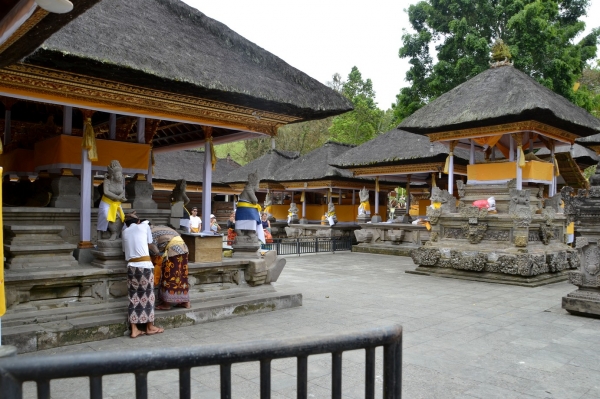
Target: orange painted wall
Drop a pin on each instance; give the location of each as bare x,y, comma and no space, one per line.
344,213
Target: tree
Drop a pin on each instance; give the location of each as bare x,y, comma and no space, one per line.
539,33
589,85
366,120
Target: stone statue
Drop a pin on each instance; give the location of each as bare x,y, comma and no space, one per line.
269,207
110,213
331,218
443,199
293,213
248,226
365,207
180,217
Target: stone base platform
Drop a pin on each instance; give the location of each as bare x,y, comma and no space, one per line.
384,249
583,302
84,323
497,278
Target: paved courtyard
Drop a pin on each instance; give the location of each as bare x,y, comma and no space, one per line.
462,339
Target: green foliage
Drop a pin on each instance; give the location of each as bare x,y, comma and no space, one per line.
589,89
539,34
589,172
366,120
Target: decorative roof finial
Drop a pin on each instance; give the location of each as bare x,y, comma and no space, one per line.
500,54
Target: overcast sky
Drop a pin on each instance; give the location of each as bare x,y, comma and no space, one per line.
323,37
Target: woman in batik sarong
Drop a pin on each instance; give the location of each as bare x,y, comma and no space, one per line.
173,287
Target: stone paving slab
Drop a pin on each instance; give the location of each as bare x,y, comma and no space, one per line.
462,339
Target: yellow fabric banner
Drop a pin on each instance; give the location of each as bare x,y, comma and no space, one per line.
2,296
89,140
366,206
115,207
241,204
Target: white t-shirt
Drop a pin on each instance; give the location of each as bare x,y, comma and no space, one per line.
195,222
136,238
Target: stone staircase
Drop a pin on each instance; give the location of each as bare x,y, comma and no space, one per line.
53,323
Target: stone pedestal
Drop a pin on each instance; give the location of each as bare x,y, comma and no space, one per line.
37,247
204,248
376,219
303,221
363,218
584,210
293,219
65,192
246,246
109,255
140,195
176,214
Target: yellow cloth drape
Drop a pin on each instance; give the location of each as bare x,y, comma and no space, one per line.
330,214
571,228
303,197
213,156
89,140
556,171
1,148
377,184
366,206
436,205
114,207
2,297
428,226
242,204
521,156
268,209
450,155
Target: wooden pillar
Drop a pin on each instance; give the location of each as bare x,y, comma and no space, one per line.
7,135
304,205
141,130
85,206
112,126
340,197
353,197
511,154
407,194
377,195
67,120
552,189
206,182
451,175
472,153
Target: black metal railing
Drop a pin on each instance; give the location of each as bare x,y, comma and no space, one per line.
42,369
308,245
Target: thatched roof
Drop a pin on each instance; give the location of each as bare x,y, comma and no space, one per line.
189,165
583,156
497,96
398,147
267,166
170,46
316,164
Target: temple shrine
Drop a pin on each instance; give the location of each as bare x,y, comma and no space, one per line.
119,84
508,226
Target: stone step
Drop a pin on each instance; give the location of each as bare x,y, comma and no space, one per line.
86,328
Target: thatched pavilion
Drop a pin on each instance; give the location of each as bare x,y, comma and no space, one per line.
135,77
313,173
404,157
524,243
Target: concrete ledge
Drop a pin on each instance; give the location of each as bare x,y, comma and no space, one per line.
33,337
497,278
384,249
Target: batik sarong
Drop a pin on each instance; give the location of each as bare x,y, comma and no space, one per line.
140,286
174,287
231,234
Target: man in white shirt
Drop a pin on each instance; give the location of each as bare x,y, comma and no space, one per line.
195,221
140,277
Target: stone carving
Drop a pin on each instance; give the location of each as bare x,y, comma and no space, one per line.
139,192
114,195
496,235
364,209
293,213
511,183
518,199
533,236
591,257
553,203
179,199
424,256
547,228
558,262
433,237
472,212
446,201
363,236
433,214
454,233
331,218
246,243
474,232
461,188
521,241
